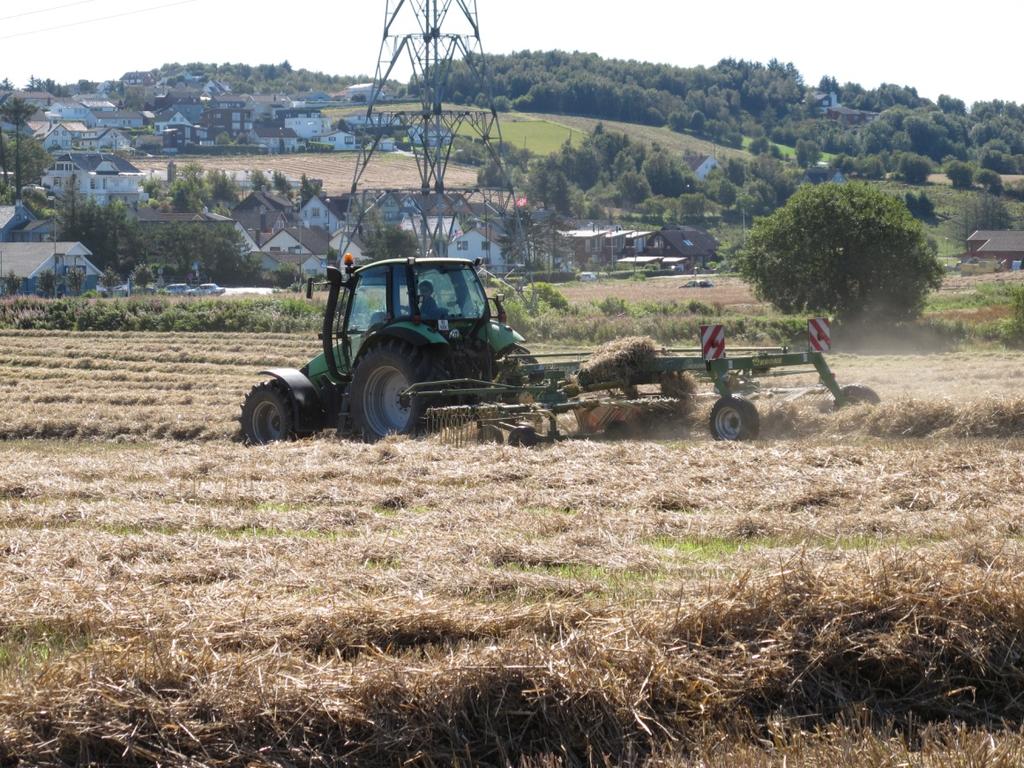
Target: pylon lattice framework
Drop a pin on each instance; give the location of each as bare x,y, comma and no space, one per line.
416,30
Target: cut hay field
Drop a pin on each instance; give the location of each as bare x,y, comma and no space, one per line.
847,591
393,170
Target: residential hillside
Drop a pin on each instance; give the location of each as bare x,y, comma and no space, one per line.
603,148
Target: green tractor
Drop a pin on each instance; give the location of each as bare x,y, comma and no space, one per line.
387,326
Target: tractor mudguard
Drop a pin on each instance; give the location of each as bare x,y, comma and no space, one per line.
309,412
413,334
417,334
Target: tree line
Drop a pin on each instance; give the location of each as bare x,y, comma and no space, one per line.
736,99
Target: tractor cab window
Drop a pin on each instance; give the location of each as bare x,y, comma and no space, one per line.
369,301
400,292
450,292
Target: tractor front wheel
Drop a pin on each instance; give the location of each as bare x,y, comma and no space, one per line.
380,377
734,418
267,415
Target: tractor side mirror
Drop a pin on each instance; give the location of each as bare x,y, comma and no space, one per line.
309,288
499,305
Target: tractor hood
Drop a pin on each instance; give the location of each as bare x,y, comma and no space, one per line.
500,336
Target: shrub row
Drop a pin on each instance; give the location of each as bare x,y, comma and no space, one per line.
548,319
161,314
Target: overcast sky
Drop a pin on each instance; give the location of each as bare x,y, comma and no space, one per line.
933,47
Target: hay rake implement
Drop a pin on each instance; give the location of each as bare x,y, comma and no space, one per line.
628,389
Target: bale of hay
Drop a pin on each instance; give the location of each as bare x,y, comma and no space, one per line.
618,363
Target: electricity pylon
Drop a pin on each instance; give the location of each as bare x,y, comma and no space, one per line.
434,36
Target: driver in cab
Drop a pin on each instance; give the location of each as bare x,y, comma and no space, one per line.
429,310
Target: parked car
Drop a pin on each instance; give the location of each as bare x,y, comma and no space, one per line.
117,290
588,277
206,289
176,289
699,284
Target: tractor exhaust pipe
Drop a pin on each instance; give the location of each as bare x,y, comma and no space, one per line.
333,290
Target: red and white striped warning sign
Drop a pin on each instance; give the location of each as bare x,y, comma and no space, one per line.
819,334
712,341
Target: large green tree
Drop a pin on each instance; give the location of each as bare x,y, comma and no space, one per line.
847,249
960,173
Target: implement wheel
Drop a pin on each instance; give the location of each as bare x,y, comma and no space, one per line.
267,415
734,418
378,380
855,394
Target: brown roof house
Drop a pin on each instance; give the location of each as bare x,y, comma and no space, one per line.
693,247
1004,246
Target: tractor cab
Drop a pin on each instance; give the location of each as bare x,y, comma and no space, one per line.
438,301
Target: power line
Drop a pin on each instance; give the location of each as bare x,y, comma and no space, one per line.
94,21
45,10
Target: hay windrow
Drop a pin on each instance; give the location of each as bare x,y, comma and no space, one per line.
891,638
617,363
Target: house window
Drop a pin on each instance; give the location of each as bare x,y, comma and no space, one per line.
92,183
315,213
462,245
485,246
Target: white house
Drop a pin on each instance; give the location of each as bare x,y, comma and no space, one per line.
323,212
96,176
276,140
29,260
69,111
340,141
102,139
298,241
112,139
701,165
54,137
306,248
97,106
170,118
120,119
309,266
360,92
308,127
480,243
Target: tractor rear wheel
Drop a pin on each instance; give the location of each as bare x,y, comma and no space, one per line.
379,379
267,415
735,418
